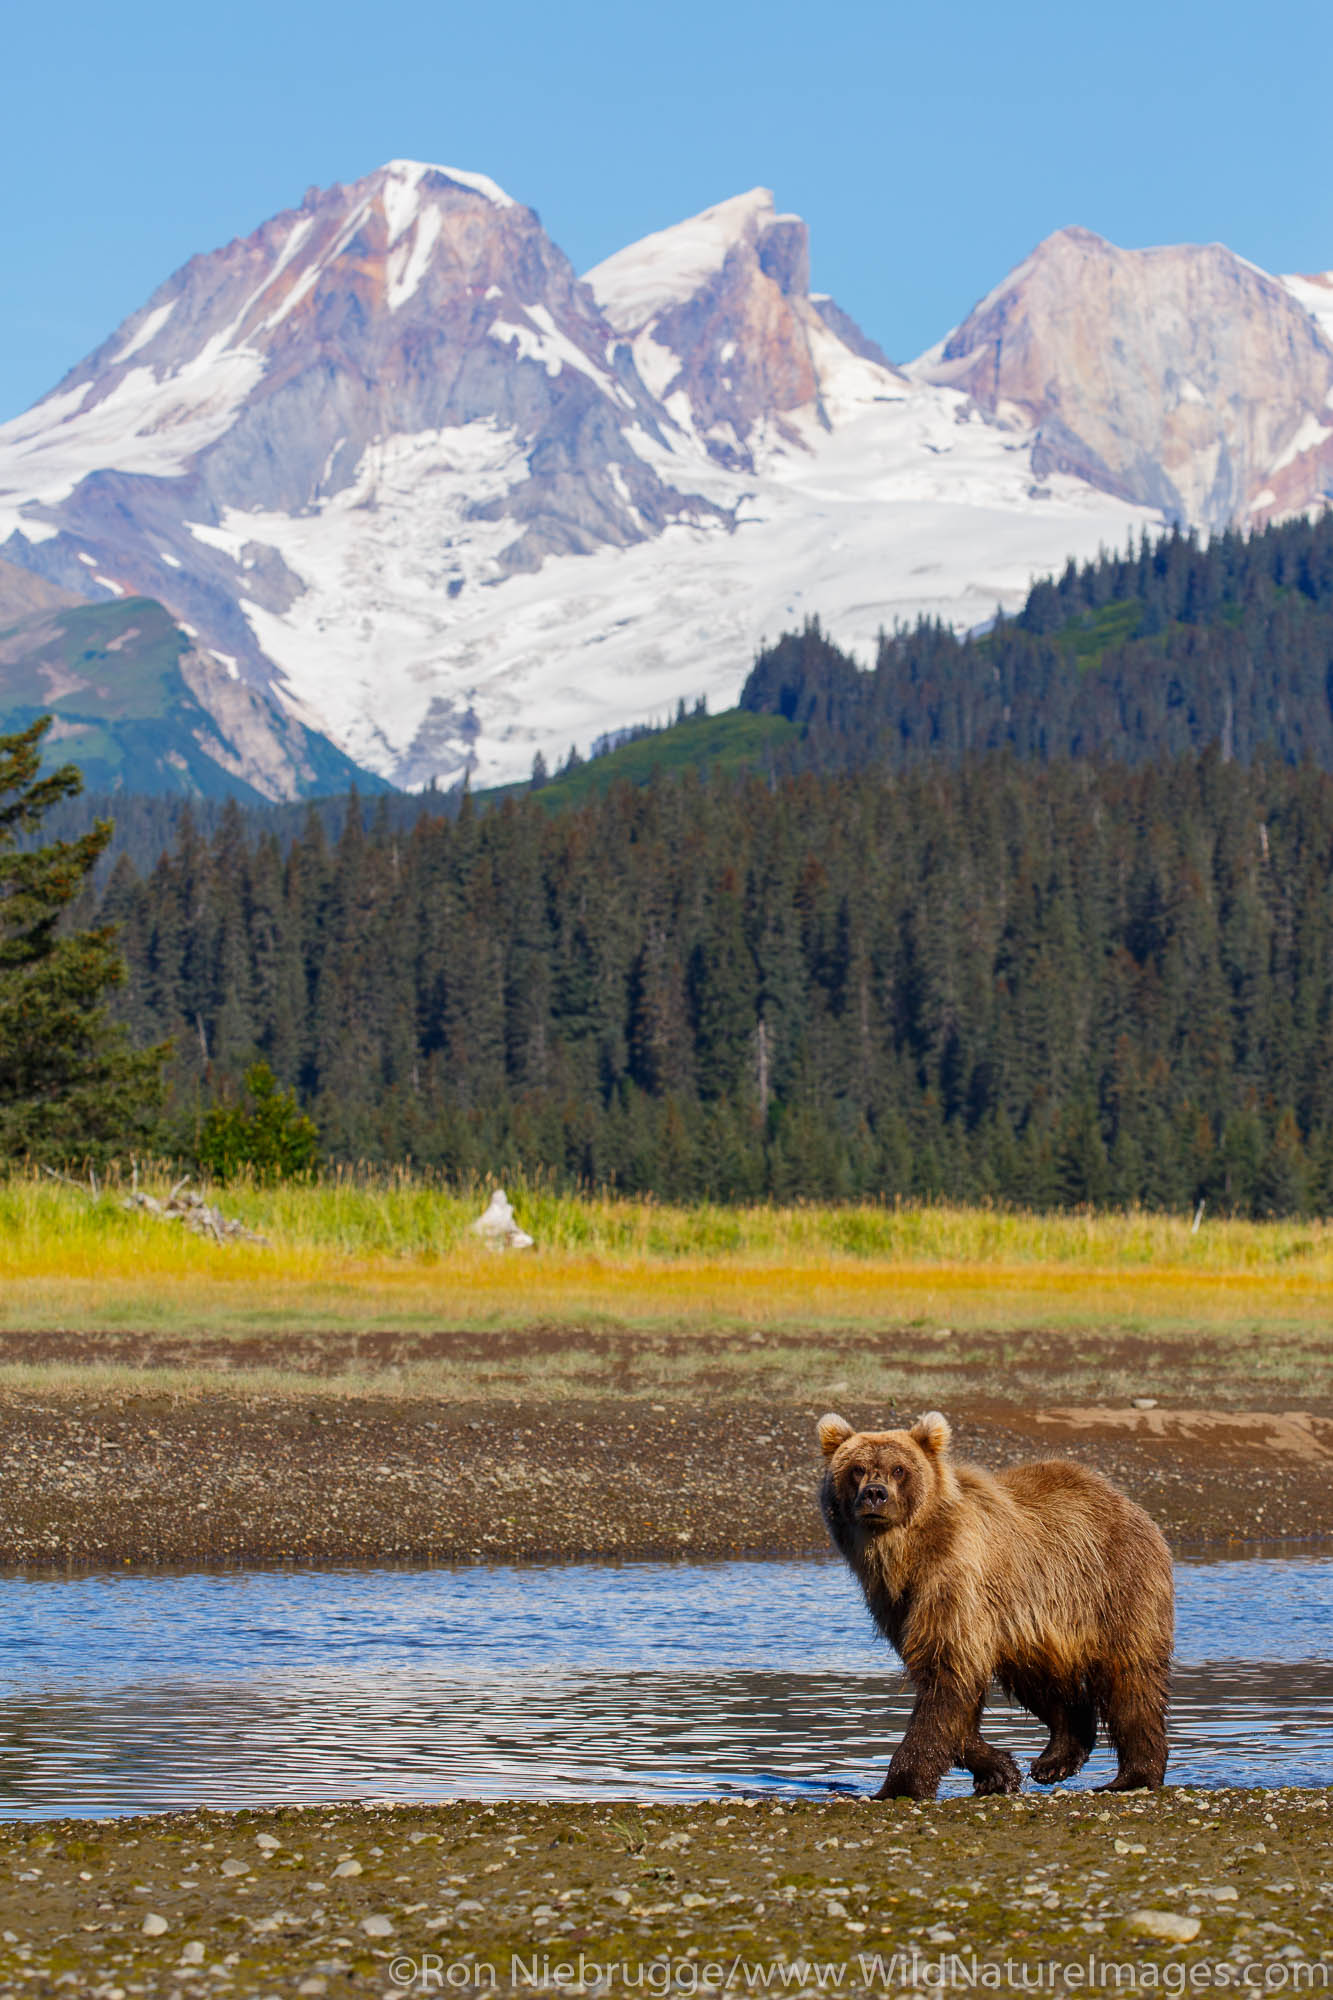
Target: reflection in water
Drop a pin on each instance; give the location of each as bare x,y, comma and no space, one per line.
127,1693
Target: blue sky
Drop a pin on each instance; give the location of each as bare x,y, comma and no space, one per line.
929,147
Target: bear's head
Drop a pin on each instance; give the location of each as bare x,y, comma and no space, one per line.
880,1480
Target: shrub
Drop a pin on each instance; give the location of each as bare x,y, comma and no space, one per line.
268,1136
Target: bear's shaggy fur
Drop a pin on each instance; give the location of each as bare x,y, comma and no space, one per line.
1043,1578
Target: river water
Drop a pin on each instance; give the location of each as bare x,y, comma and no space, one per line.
125,1693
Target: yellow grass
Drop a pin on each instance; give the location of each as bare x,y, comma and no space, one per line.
395,1254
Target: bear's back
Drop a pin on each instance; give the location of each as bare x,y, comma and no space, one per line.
1075,1524
1041,1483
1059,1504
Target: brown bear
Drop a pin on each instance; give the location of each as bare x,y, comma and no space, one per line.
1043,1578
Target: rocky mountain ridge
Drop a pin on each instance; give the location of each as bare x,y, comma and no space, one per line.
1183,378
425,492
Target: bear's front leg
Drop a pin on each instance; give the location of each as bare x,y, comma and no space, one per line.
939,1732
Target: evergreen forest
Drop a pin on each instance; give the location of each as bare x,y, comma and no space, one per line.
1136,657
1061,984
1042,916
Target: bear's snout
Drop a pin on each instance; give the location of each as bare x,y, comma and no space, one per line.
873,1498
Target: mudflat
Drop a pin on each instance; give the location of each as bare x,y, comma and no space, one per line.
558,1445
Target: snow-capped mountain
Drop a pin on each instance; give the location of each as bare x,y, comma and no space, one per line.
725,332
411,479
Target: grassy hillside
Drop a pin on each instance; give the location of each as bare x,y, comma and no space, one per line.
731,743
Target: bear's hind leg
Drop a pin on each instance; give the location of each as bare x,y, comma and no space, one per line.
1133,1702
994,1771
1070,1716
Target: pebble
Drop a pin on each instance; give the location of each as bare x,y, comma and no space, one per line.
192,1953
349,1868
382,1927
235,1868
153,1925
1163,1924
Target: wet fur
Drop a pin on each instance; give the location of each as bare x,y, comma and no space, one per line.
1043,1578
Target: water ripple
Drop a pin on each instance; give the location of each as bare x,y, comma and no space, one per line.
125,1693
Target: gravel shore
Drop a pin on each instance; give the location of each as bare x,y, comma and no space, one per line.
727,1896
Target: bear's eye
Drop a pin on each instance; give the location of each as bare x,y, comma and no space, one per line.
900,1472
857,1471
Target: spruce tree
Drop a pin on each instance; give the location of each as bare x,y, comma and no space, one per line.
71,1087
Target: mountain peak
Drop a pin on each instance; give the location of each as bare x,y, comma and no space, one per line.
1077,235
670,266
411,173
1181,377
724,330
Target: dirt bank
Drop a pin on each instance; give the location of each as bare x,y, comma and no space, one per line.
345,1900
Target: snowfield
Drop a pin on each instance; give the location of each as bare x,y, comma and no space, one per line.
910,507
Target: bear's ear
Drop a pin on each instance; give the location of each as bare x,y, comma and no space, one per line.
932,1433
833,1431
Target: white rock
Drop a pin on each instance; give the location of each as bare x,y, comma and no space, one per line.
499,1226
1163,1924
153,1925
192,1953
236,1868
349,1868
267,1842
381,1926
